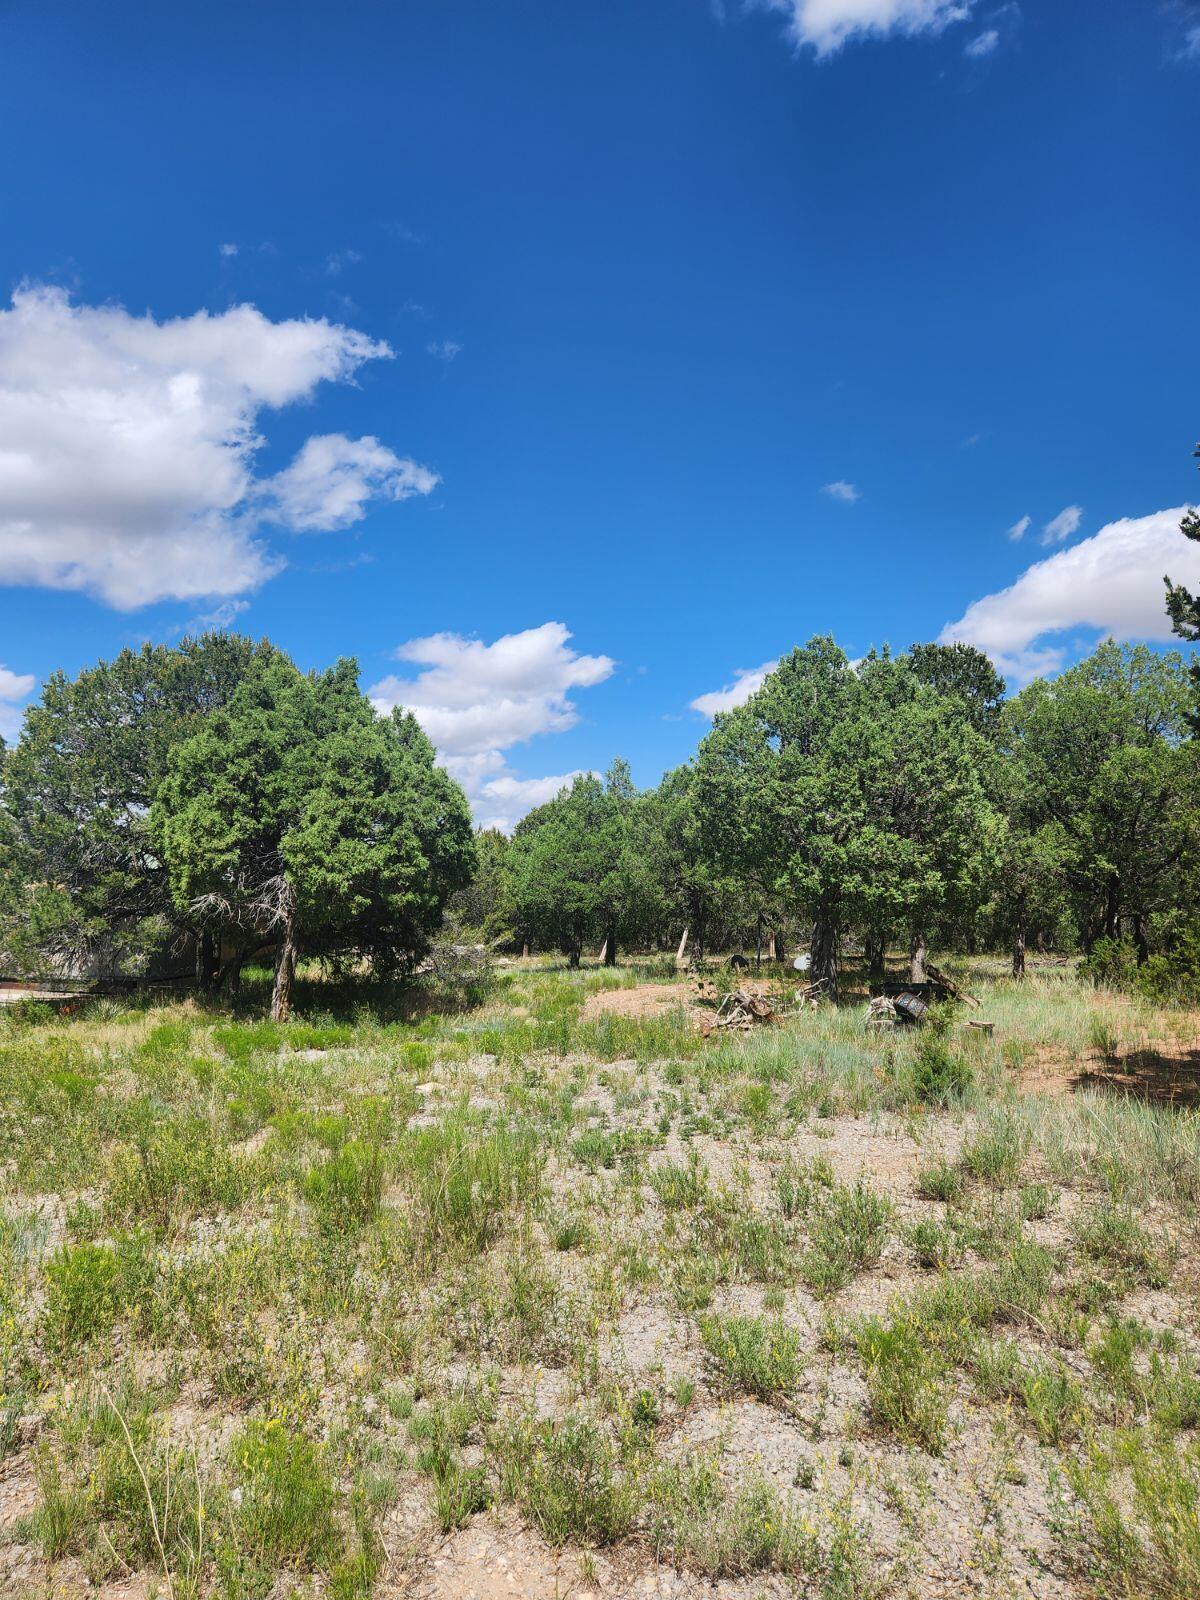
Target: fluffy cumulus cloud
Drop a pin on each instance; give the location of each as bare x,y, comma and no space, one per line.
1111,583
15,687
477,700
745,681
332,478
127,446
826,25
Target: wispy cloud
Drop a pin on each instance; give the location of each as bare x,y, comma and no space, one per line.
841,490
983,44
443,349
338,260
824,26
1062,526
1019,528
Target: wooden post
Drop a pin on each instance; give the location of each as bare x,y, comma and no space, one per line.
682,948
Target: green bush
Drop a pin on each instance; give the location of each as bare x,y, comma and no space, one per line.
1112,964
941,1076
907,1381
756,1356
286,1510
345,1189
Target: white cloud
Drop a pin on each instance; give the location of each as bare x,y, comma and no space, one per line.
477,700
329,483
127,445
14,688
503,801
443,349
339,259
826,25
1111,582
746,680
841,490
982,44
1063,525
228,250
1019,528
218,620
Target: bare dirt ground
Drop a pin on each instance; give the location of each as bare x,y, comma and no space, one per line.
647,1000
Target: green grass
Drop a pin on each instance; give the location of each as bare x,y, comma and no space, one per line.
522,1291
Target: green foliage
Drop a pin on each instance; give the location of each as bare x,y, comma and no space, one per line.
907,1381
567,1478
756,1356
296,808
286,1510
940,1075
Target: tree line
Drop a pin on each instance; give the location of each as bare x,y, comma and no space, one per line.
211,798
898,802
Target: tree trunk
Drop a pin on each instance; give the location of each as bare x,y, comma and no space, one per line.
573,956
1140,941
206,960
610,948
920,952
285,968
824,947
875,952
780,943
1111,909
1018,964
758,944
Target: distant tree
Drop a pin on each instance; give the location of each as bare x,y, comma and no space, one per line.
1102,763
485,905
572,872
295,812
857,797
86,882
1183,608
961,672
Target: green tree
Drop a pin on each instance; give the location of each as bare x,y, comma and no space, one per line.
485,906
295,812
1102,763
86,884
1183,608
855,796
961,672
572,877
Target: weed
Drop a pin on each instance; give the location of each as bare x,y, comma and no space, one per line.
906,1381
756,1356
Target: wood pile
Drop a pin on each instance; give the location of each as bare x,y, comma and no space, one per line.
735,1010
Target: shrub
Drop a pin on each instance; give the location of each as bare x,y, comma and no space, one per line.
847,1235
567,1478
1136,1531
940,1180
727,1533
344,1191
285,1514
759,1357
940,1075
1112,964
906,1381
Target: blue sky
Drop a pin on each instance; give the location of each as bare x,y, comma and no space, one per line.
648,338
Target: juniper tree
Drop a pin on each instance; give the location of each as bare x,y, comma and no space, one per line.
296,813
